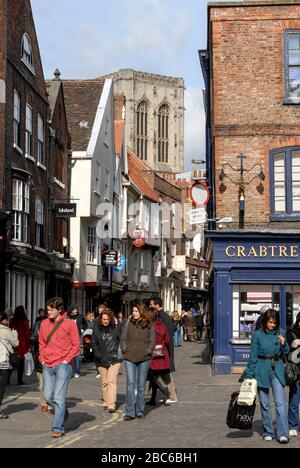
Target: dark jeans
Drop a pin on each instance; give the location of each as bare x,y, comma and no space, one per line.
4,375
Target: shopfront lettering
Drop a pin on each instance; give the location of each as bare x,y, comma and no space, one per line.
282,251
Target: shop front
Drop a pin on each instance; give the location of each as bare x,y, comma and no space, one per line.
248,271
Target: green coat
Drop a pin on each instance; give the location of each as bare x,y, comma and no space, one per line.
265,343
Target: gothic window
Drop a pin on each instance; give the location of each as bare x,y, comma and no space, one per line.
142,131
26,53
163,133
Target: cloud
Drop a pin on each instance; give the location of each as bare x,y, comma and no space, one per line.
194,126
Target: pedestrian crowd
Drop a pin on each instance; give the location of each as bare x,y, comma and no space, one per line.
144,342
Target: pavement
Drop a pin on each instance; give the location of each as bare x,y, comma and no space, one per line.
197,420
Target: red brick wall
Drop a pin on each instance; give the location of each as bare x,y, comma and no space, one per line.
32,91
248,114
2,104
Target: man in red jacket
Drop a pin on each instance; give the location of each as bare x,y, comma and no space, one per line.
58,344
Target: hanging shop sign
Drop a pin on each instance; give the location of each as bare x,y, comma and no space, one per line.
65,210
110,257
121,264
138,237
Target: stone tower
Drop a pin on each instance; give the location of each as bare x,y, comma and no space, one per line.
154,117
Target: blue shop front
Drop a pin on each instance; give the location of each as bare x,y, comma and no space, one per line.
248,271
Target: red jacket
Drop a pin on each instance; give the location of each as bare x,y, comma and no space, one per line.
161,337
64,344
22,328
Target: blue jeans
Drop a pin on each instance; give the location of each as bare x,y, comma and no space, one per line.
294,400
56,381
136,379
76,364
280,409
177,336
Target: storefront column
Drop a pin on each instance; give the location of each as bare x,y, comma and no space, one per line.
221,362
283,306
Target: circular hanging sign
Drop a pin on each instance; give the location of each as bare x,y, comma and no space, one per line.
122,264
199,193
139,237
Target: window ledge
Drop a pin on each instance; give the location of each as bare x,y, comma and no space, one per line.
237,341
40,249
285,218
20,244
291,101
59,183
41,166
28,66
31,158
18,149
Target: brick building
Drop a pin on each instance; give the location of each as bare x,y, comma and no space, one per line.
24,161
252,73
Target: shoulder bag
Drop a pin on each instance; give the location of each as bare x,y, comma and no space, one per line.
291,370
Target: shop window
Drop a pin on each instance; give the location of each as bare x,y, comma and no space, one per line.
285,184
292,304
247,303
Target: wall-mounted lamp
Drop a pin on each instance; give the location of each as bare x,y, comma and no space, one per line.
241,182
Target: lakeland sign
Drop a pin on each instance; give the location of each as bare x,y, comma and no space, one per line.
263,251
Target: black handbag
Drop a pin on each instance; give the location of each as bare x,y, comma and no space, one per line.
239,417
14,360
291,370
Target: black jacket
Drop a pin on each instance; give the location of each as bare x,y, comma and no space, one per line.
34,340
106,341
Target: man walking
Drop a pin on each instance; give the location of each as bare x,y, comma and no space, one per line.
58,344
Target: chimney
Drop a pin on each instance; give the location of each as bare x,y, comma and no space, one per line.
119,104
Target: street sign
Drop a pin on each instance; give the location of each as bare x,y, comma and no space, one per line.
121,264
197,216
180,262
65,210
110,258
199,193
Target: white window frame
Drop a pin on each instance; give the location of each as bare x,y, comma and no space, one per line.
187,248
173,254
39,222
28,132
92,254
26,53
41,141
17,119
21,211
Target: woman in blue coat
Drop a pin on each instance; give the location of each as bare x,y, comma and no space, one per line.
267,367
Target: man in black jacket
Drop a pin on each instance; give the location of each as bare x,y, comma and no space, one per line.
73,313
156,304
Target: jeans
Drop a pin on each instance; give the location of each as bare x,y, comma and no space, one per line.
294,400
136,379
177,336
56,381
76,364
280,409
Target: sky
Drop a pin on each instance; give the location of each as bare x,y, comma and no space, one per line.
87,39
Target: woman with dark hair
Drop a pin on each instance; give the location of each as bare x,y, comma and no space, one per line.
106,341
137,342
8,341
20,323
293,339
160,364
267,367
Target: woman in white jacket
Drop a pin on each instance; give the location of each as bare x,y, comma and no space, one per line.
8,341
